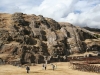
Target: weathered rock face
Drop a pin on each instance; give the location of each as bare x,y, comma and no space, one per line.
35,39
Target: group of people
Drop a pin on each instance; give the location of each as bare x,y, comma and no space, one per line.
44,67
53,66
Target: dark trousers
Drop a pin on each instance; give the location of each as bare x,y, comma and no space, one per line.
27,71
45,68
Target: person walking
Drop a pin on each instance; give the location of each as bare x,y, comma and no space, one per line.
45,67
28,69
53,67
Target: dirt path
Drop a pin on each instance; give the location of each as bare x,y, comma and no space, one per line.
62,69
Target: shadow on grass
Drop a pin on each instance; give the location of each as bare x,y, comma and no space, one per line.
36,72
55,69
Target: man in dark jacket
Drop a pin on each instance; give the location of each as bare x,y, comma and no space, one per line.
27,68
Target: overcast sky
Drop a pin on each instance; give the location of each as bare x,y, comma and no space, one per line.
77,12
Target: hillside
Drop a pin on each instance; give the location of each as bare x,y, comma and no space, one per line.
96,30
35,39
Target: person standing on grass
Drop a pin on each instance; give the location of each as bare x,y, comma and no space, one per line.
28,69
45,67
53,67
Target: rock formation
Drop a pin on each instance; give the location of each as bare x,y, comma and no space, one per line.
35,39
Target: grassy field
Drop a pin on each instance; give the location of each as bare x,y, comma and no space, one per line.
63,68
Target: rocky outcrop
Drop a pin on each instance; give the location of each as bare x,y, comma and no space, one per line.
36,39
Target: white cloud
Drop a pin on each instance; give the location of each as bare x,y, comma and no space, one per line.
77,12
